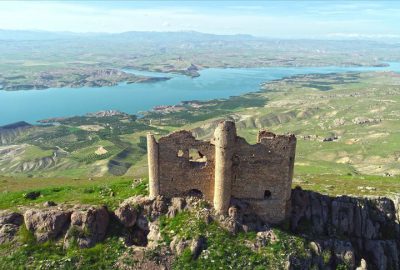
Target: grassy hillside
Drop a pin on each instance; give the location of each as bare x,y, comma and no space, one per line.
347,127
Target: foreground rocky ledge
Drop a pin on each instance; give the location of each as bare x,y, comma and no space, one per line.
360,233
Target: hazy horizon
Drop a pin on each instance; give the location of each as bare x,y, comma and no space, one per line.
271,19
93,34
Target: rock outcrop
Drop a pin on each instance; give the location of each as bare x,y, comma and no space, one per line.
127,214
9,225
343,231
46,224
356,228
88,227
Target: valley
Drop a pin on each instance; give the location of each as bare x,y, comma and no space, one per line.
342,138
30,60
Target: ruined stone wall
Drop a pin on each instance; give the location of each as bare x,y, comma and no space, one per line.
227,167
178,175
262,175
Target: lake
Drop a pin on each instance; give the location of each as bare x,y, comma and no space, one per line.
33,105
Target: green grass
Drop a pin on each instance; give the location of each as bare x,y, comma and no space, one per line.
106,191
227,251
52,255
33,152
347,184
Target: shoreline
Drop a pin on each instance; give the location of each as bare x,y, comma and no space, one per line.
153,79
140,112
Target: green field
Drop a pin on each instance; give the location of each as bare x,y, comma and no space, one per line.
97,191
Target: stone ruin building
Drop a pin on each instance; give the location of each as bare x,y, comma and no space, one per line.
224,168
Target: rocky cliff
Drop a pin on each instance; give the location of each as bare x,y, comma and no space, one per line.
340,232
357,231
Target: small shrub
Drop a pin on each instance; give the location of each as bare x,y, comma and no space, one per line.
26,236
326,256
106,191
33,195
88,190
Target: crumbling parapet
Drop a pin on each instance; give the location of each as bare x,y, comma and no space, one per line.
224,141
153,163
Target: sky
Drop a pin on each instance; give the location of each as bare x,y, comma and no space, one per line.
276,19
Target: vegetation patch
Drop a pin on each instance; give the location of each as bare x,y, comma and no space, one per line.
110,192
227,251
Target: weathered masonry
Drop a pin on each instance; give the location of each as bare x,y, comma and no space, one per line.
224,168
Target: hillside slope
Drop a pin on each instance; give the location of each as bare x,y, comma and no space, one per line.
347,126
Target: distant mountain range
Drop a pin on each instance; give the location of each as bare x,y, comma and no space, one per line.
180,36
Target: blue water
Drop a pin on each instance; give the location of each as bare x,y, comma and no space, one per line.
33,105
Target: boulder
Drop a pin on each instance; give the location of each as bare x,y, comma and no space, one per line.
8,232
197,246
178,245
233,212
138,200
344,253
293,263
49,204
231,225
263,238
127,214
47,224
14,218
9,226
88,227
363,265
154,236
315,248
145,258
158,208
151,208
178,204
207,217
